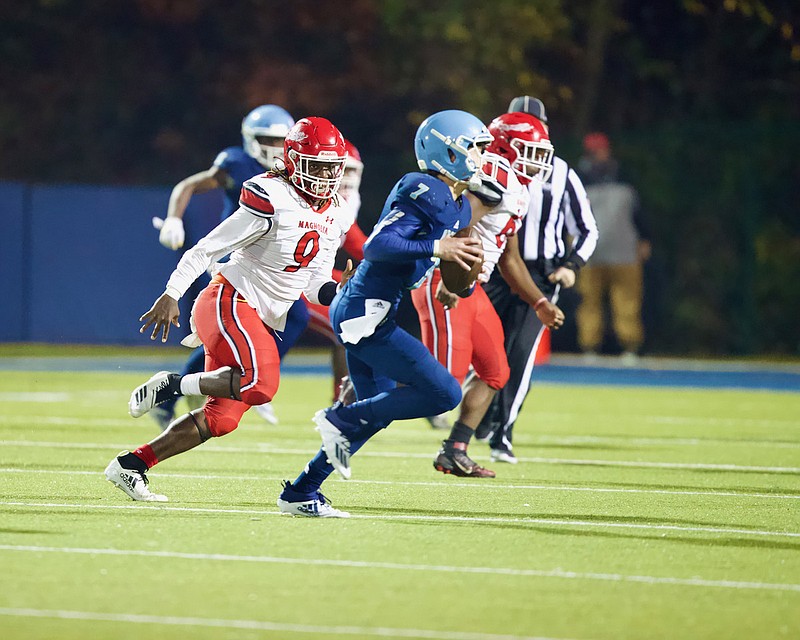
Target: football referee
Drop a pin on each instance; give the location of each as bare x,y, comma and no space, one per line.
558,208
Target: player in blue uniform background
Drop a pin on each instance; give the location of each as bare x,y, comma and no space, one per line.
415,230
263,131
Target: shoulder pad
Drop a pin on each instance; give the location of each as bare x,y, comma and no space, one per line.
256,197
230,156
487,192
424,193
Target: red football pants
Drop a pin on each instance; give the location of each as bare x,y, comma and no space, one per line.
469,334
235,336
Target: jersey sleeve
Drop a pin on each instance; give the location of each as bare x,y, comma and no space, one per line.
256,200
227,158
423,195
402,234
396,238
580,222
239,230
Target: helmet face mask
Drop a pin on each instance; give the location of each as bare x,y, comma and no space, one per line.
315,156
534,159
263,133
524,141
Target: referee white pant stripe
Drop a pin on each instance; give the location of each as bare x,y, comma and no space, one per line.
525,383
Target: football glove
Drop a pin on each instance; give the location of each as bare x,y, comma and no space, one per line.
172,234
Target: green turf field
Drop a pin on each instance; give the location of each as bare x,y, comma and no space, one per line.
634,513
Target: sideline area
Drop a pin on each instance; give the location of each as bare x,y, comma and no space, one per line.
650,371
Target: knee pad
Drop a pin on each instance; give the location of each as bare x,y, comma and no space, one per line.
497,379
220,424
258,395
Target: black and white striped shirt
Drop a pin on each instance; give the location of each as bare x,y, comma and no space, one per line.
558,205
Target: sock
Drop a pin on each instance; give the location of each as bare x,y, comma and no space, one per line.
195,364
190,384
461,433
317,471
140,459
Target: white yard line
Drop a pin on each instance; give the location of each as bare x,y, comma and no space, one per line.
426,518
258,625
35,397
267,448
529,439
427,568
494,485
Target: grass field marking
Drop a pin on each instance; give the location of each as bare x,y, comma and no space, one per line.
411,517
267,448
661,441
259,625
667,419
492,486
35,397
567,440
363,564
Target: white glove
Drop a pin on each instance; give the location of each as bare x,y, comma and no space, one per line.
172,234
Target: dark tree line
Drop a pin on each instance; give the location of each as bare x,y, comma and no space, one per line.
700,97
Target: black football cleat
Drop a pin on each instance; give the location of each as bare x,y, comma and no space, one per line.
453,459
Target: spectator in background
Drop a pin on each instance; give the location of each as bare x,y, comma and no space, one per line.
616,266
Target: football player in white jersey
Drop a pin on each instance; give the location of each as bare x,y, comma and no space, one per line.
282,242
467,331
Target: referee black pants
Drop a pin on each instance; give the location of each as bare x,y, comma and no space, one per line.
523,334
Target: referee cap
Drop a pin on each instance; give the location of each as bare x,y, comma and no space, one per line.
530,105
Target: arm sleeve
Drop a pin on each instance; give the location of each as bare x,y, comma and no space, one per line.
580,222
394,238
318,287
239,230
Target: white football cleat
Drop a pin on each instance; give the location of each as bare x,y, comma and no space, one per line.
148,395
335,444
503,455
316,505
132,482
267,412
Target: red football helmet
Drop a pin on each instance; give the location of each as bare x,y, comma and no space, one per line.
523,140
314,154
353,169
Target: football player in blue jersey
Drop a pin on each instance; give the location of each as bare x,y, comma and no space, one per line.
263,132
414,232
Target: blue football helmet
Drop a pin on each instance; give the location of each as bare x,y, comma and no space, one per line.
264,129
444,142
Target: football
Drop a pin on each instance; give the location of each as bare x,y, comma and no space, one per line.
454,276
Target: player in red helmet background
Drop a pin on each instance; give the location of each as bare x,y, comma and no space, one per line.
461,332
